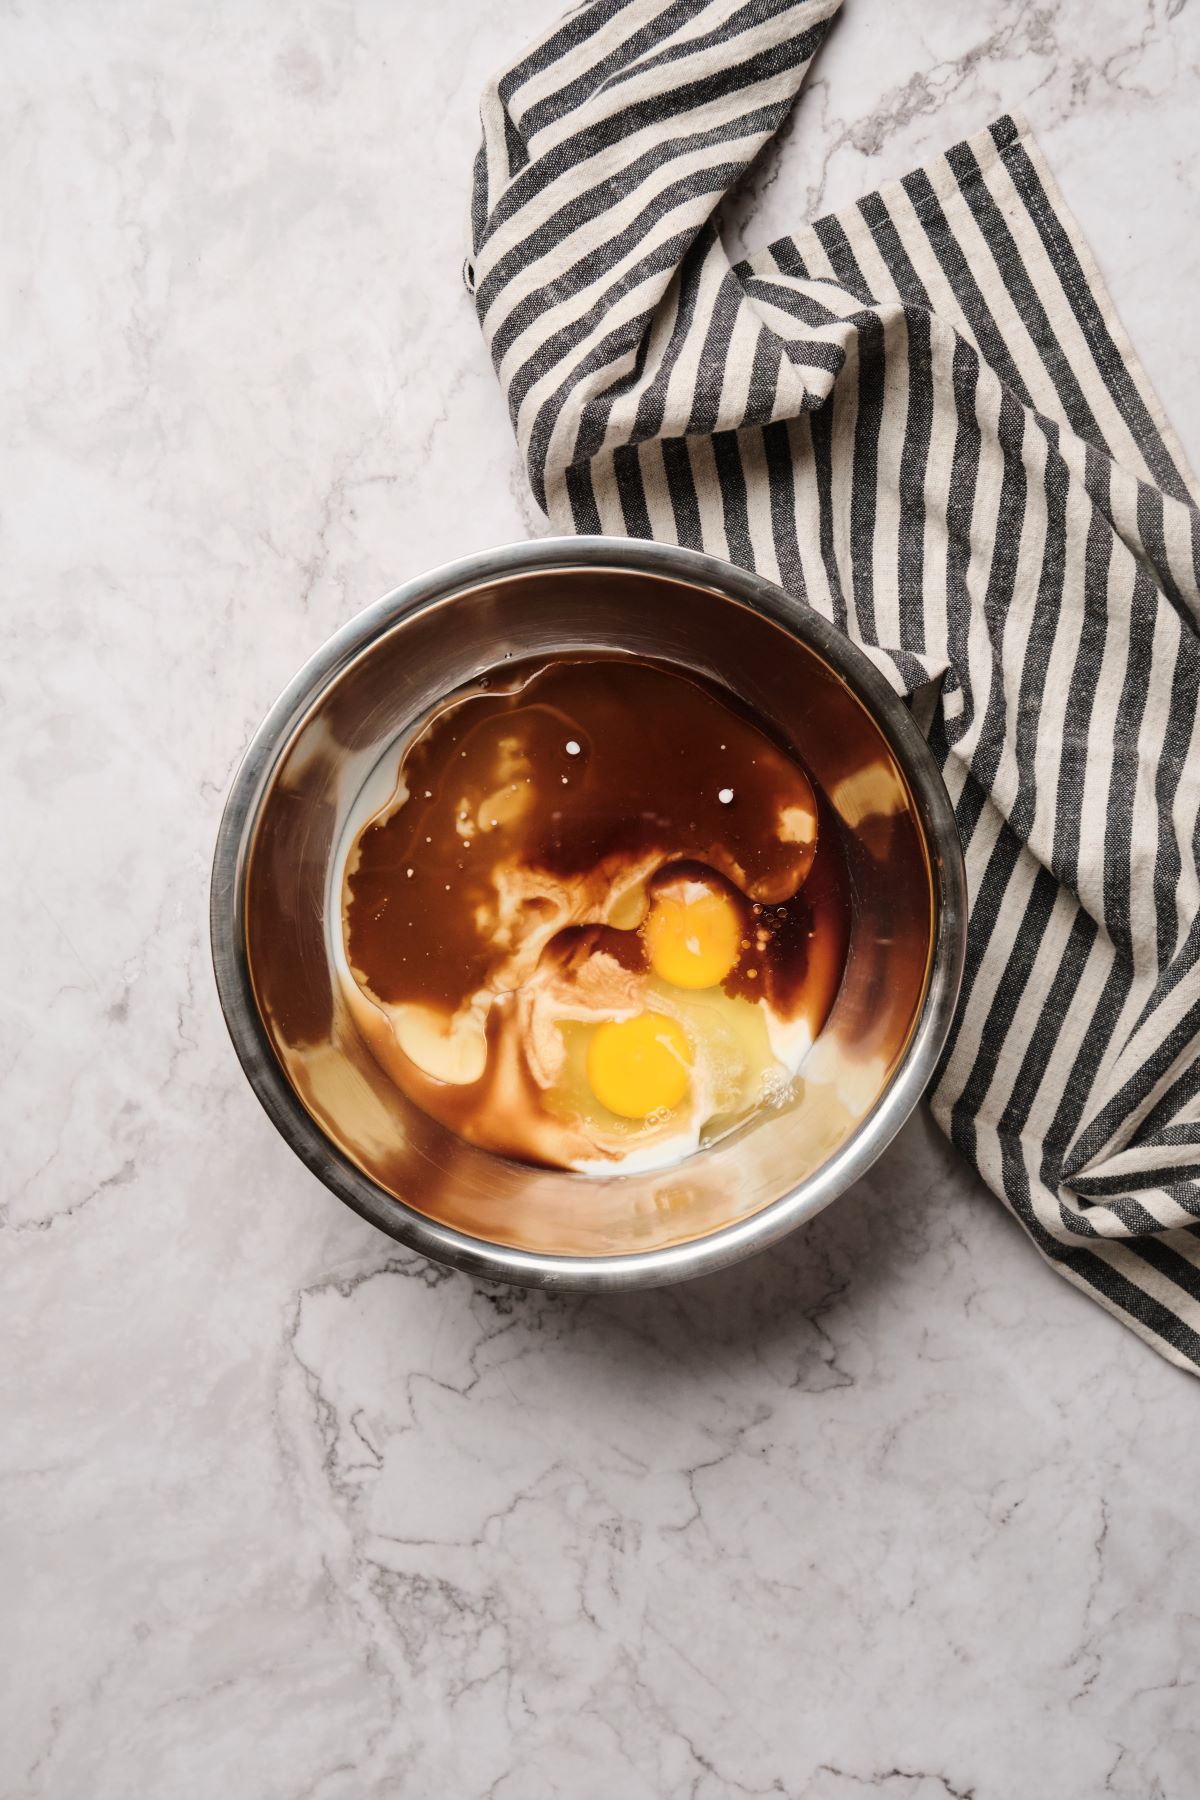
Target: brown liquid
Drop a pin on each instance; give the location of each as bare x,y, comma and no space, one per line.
584,773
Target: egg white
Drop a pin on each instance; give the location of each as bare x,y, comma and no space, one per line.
733,1070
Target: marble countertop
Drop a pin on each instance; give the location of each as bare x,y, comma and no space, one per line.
288,1512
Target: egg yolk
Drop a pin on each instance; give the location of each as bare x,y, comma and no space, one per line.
693,935
639,1066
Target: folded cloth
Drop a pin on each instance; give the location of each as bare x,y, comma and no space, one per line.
921,417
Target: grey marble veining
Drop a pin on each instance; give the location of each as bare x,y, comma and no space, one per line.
287,1512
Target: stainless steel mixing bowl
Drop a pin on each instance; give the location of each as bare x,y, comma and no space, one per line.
273,909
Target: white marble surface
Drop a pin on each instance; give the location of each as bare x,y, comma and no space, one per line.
287,1513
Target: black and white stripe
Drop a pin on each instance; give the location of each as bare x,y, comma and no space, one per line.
922,418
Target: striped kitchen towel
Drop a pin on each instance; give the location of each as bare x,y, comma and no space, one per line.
922,417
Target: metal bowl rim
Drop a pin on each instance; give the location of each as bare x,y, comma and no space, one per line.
480,1257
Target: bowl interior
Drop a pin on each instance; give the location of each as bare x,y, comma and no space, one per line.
365,709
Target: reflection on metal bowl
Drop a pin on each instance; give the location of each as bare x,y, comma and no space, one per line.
275,908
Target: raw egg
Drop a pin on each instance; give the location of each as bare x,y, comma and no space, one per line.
639,1066
693,934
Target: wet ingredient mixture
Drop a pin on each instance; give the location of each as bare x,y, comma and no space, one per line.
600,917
